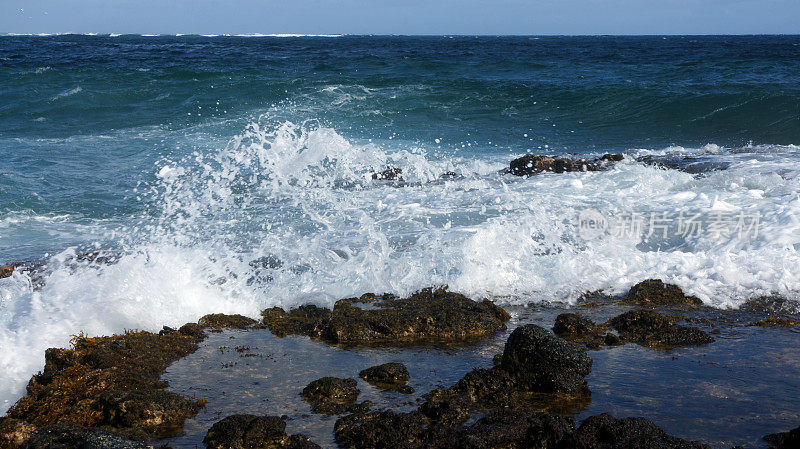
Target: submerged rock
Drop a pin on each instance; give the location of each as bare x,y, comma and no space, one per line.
774,321
334,396
388,376
69,436
431,315
784,440
652,329
539,361
220,320
654,293
253,432
110,381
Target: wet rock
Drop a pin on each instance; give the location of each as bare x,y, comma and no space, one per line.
612,157
390,174
654,293
573,325
14,432
307,320
152,411
532,164
193,330
431,315
334,396
784,440
652,329
253,432
72,436
539,361
392,374
6,271
220,320
110,381
504,428
385,429
775,321
478,389
606,432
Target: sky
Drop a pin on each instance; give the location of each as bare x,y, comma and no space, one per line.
495,17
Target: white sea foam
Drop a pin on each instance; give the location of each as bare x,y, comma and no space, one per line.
68,93
299,200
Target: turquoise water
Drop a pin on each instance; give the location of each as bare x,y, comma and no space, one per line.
187,158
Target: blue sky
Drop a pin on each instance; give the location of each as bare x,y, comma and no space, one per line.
402,17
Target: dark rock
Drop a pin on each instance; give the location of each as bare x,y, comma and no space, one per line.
784,440
539,361
652,329
266,262
612,157
253,432
386,374
612,340
478,389
504,428
73,436
654,292
307,320
775,321
219,320
606,432
14,432
390,174
572,325
450,175
532,164
193,330
110,381
386,429
431,315
427,316
334,396
152,411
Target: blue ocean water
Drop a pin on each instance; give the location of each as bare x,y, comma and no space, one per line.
228,174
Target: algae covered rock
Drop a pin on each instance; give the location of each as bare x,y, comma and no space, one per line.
539,361
389,376
503,428
220,320
531,164
387,429
110,381
431,315
253,432
14,432
775,321
71,436
654,292
333,396
606,432
652,329
308,320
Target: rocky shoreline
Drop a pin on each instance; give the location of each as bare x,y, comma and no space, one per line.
107,392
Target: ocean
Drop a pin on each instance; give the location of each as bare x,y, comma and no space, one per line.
234,173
